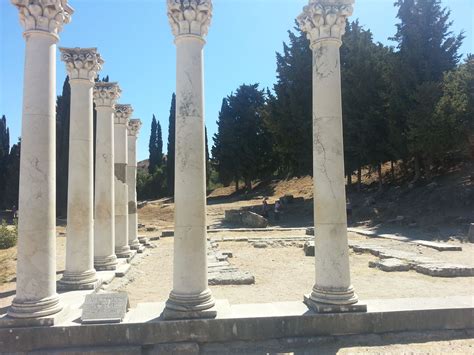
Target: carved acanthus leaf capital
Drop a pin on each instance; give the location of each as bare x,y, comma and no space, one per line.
134,127
44,15
325,19
106,94
123,113
190,17
82,63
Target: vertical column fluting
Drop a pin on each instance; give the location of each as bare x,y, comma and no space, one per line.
105,96
82,65
36,259
122,116
190,296
133,130
324,22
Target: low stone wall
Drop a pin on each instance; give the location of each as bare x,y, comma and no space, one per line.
246,218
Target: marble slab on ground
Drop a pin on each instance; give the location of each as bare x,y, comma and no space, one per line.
221,272
421,264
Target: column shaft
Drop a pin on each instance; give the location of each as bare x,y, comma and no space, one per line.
333,283
190,289
36,264
80,272
122,249
132,193
104,223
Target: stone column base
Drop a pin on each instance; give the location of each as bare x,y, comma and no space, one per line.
105,263
135,244
35,309
183,306
333,308
123,252
78,281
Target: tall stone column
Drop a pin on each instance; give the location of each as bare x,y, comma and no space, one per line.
82,65
122,116
190,297
133,129
105,96
36,260
324,22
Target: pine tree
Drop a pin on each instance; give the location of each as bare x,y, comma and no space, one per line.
4,154
171,146
63,109
152,148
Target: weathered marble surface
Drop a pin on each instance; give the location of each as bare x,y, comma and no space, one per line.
105,96
190,296
82,65
122,116
36,260
133,130
324,22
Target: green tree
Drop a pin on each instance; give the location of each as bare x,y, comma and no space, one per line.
364,93
4,154
289,113
63,109
153,159
13,176
171,146
427,49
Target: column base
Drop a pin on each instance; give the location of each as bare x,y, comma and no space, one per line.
334,300
181,306
105,263
86,280
134,244
123,252
35,309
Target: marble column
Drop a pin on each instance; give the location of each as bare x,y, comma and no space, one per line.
190,297
36,259
133,129
324,23
82,65
105,96
122,116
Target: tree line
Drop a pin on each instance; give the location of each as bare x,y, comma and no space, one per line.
411,104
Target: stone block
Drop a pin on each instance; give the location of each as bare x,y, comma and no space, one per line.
167,233
253,220
228,253
309,248
233,216
310,231
445,270
390,264
230,278
260,245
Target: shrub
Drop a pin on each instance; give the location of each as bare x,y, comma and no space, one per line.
8,236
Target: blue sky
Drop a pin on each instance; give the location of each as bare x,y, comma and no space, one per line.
134,38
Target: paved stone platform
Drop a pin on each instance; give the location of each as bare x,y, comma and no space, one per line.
143,328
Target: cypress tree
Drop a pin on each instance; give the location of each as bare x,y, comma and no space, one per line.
4,154
63,109
427,49
152,148
13,177
159,145
171,146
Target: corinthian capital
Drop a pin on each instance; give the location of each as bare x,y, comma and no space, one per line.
123,113
106,94
325,19
44,15
82,63
190,17
134,127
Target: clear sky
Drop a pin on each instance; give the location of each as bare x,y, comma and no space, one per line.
134,38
